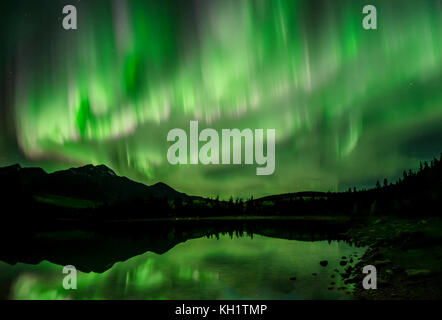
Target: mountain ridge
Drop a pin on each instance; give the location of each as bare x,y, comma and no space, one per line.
86,182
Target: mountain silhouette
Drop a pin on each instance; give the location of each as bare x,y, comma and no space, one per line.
105,195
94,183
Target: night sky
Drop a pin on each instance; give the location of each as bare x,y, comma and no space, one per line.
349,105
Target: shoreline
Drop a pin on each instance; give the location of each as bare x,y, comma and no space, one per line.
337,219
407,254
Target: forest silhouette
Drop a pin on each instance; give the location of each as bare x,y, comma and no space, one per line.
97,193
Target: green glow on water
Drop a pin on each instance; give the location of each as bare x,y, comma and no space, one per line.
238,268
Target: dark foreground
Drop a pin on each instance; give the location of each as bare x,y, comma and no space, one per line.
92,218
407,255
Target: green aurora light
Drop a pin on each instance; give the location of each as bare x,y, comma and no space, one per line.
343,100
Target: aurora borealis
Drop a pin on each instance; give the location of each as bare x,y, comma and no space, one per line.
349,105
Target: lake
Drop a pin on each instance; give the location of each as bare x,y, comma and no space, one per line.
221,267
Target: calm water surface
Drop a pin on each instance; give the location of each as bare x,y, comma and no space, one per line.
204,268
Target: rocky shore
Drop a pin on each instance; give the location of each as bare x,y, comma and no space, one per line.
407,256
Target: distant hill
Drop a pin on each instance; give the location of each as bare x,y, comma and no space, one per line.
295,195
104,194
92,183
